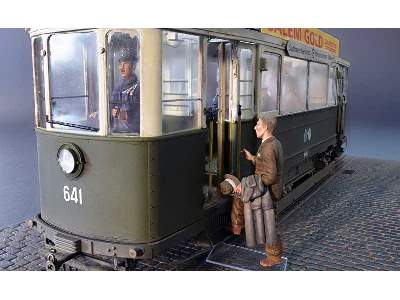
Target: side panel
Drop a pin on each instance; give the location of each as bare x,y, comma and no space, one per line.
303,135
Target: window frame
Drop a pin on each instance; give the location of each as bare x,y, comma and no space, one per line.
329,65
35,70
308,86
201,69
105,74
100,69
335,68
281,87
269,50
234,100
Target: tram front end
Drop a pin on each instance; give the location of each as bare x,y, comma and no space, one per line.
108,178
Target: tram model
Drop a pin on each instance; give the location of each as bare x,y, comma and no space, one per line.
136,127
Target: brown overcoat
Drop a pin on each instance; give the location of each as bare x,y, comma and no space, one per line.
269,165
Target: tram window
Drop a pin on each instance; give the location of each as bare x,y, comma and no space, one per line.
340,81
332,94
246,82
294,85
73,79
345,80
317,85
181,102
123,82
269,83
39,82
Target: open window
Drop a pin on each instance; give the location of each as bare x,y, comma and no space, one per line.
181,99
73,68
294,85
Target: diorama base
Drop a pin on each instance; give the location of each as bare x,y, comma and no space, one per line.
241,258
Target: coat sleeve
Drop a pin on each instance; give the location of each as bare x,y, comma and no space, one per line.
267,165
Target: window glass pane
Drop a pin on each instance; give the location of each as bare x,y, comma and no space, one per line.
246,82
73,79
294,85
332,87
181,103
269,82
345,80
213,75
317,86
39,81
123,82
228,79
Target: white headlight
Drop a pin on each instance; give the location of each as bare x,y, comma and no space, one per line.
66,161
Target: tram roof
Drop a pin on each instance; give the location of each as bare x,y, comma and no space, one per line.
263,36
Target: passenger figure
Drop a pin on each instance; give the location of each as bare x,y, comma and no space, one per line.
261,190
237,217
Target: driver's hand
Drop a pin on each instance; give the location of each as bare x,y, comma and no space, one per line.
114,112
93,115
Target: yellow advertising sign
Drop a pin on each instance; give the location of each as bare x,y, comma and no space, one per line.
309,36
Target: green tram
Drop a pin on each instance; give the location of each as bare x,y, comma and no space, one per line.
127,183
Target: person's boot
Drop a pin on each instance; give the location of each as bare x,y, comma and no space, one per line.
274,254
236,229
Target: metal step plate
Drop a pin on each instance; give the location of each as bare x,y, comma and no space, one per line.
240,258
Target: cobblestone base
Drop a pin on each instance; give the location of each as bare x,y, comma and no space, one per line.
351,223
19,249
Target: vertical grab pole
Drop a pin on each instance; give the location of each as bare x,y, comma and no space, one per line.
239,139
221,110
210,151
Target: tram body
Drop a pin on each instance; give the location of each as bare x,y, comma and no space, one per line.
131,193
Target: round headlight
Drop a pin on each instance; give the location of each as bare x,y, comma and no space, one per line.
70,159
66,161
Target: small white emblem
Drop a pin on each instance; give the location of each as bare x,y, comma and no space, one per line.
307,135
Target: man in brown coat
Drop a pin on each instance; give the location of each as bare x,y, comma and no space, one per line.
268,163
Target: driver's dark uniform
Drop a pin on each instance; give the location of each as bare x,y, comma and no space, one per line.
126,98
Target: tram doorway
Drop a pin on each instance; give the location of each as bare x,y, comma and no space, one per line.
219,87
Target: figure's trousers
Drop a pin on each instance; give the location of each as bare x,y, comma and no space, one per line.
237,217
260,225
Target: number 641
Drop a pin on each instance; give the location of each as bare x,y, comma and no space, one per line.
73,194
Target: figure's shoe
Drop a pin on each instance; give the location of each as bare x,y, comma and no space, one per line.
274,254
235,229
271,261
